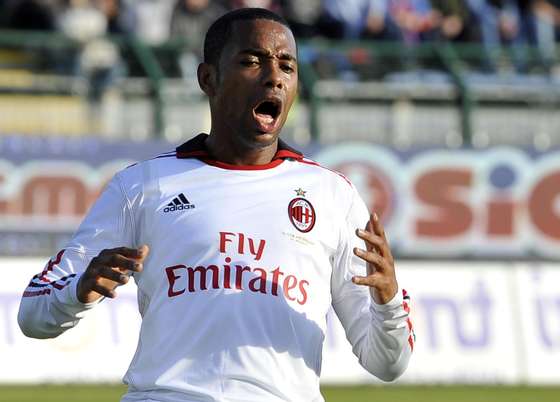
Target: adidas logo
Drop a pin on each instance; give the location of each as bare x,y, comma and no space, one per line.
179,203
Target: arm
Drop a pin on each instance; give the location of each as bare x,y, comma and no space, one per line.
544,8
367,300
76,279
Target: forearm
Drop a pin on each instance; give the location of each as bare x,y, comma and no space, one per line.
48,311
390,339
381,335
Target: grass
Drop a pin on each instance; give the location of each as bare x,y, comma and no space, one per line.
112,393
442,394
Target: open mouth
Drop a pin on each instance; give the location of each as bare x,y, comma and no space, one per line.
266,114
268,109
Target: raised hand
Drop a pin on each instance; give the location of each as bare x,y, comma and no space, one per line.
108,270
380,263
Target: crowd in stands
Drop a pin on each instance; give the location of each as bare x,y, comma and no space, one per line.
515,24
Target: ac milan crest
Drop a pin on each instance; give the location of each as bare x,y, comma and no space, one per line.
302,214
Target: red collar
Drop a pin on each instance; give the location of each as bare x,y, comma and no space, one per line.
196,148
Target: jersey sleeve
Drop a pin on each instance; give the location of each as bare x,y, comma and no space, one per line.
49,305
381,335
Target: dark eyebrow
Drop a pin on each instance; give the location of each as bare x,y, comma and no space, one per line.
288,57
266,53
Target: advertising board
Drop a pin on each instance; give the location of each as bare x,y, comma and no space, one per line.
499,203
479,322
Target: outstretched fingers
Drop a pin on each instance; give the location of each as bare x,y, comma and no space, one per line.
377,251
380,276
111,268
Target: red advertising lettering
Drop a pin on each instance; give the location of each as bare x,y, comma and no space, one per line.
442,191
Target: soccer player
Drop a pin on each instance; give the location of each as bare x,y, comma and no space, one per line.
238,245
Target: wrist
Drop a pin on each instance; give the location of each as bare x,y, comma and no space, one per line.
384,296
78,297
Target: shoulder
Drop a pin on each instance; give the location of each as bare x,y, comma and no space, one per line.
163,157
336,188
150,172
329,174
160,165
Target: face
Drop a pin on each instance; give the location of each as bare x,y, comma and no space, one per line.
255,3
196,5
255,83
108,7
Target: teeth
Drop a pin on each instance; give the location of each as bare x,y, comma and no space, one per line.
268,108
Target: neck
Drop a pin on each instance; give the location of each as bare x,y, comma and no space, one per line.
234,154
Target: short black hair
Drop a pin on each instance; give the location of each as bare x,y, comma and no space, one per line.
220,31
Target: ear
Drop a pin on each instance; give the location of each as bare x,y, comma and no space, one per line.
207,78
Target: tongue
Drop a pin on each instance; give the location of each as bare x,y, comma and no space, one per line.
265,118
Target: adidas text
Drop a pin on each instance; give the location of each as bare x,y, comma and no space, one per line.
178,208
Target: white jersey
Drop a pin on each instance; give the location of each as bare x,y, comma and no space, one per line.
244,263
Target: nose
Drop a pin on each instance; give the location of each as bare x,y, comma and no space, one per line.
272,76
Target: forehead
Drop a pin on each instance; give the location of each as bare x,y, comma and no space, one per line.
260,34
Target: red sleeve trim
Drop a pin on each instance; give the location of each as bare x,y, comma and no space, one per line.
34,293
406,307
50,266
42,277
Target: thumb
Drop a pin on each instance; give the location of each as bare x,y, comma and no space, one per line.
143,252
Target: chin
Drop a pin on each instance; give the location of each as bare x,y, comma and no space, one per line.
258,140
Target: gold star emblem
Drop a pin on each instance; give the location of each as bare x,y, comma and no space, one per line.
300,192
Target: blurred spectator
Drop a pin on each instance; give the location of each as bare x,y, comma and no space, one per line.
190,21
454,20
154,18
499,24
97,59
547,29
273,5
527,37
192,18
548,10
416,19
82,22
521,25
351,20
354,19
302,16
121,18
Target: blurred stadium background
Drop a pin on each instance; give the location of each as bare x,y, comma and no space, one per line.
444,113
